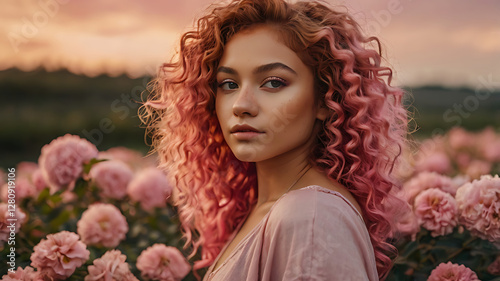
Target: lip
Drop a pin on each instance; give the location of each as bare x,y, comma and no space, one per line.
243,128
244,132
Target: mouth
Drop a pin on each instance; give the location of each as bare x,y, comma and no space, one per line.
245,132
244,128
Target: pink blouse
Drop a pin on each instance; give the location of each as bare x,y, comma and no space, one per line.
312,233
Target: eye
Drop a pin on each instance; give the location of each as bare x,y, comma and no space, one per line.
228,85
274,83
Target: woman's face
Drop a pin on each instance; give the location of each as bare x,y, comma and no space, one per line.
265,97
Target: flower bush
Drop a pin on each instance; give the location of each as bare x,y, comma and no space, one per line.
84,214
453,229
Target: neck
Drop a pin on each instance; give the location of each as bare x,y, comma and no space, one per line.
277,175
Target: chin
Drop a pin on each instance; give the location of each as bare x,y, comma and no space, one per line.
247,155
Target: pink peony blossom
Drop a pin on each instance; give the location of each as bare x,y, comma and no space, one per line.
26,274
432,156
151,188
463,160
479,207
164,263
38,180
111,266
6,214
102,224
477,168
408,225
62,160
426,180
68,196
112,178
25,189
452,272
489,147
25,169
437,162
494,267
436,211
460,139
59,255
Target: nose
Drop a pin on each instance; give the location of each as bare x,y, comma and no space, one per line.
245,103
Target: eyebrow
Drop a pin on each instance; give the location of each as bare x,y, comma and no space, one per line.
260,69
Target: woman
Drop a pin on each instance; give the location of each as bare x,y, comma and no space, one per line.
277,125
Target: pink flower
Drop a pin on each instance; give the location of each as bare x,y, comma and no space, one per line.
6,225
24,189
477,168
68,196
26,169
112,178
432,156
62,160
479,207
164,263
102,224
463,160
111,266
38,180
494,267
436,211
408,225
59,255
436,162
151,188
452,272
460,139
426,180
489,145
24,183
26,274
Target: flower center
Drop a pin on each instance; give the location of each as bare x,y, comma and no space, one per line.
104,224
165,261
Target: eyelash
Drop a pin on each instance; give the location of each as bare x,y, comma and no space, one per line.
273,78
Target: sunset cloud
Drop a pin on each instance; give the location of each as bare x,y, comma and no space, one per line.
450,42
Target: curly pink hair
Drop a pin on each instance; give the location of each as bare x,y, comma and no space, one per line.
358,145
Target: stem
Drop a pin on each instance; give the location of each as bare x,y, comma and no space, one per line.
456,253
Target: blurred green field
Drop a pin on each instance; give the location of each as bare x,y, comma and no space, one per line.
39,106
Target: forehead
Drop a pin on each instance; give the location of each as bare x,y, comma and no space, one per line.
257,46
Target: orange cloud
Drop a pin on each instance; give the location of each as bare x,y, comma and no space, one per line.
426,41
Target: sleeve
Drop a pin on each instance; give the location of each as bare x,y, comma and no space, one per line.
315,236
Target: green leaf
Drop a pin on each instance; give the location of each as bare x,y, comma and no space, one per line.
88,166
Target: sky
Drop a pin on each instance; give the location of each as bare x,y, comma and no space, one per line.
448,42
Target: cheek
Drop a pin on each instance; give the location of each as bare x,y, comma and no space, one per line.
220,109
293,117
